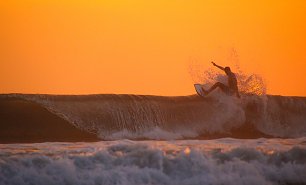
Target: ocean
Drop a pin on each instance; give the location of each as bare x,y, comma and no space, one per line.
140,139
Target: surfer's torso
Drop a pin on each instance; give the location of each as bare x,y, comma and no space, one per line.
232,82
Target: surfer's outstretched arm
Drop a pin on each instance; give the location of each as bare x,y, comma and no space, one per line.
220,67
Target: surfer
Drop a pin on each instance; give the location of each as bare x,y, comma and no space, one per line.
231,88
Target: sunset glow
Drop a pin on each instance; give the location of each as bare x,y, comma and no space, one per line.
146,46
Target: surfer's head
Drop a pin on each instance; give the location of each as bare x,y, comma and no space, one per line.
227,70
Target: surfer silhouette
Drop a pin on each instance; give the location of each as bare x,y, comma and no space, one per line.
231,88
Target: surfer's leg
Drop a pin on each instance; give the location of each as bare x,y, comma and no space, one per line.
223,87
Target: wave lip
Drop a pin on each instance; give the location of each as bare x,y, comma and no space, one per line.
111,116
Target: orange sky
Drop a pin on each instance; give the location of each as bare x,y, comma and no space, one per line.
145,46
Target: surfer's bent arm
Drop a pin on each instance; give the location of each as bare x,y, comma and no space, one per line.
236,91
220,67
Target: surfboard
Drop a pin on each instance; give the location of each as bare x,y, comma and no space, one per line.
199,90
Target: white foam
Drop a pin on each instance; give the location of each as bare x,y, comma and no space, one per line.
223,161
155,133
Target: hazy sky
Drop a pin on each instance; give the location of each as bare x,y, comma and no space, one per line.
147,46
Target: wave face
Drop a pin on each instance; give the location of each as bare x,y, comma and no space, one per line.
111,116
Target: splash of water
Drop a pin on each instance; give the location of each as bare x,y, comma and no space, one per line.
247,83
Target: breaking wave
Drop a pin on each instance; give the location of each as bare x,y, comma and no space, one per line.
111,116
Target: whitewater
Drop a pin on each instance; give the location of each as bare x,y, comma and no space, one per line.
126,162
141,139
